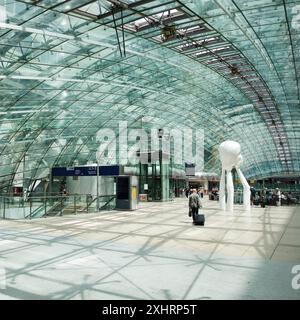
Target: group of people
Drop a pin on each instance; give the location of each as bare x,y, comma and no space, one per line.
189,191
263,197
268,197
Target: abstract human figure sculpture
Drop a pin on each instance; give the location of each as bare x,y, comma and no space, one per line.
230,155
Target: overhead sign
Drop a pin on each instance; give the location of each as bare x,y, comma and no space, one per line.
85,171
190,169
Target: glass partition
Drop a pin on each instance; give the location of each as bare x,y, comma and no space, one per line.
53,206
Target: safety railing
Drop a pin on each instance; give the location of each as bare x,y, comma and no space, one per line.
54,205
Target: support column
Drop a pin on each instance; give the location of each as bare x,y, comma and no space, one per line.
98,204
222,196
165,183
246,190
230,191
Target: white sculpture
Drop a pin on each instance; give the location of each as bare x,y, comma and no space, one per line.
230,154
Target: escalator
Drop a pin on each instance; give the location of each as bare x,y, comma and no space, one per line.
37,213
46,210
57,206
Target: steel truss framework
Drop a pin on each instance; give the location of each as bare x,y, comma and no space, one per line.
70,68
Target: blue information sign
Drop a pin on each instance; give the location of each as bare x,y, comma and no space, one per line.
85,171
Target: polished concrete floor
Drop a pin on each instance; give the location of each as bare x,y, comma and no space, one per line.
152,253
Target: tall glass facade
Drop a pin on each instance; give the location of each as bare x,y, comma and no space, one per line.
70,68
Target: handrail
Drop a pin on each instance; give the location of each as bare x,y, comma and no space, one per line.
93,200
37,210
42,195
88,204
36,204
108,202
58,196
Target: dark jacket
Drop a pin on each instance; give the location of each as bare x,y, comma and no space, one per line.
194,201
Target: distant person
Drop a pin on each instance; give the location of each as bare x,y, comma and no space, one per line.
263,196
214,194
187,192
289,198
182,192
268,196
253,195
199,192
278,197
194,204
283,198
202,193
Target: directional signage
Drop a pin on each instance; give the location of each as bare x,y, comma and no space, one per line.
85,171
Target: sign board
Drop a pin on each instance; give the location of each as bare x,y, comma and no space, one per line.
85,171
190,169
146,186
133,193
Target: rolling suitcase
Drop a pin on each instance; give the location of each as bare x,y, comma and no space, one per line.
199,220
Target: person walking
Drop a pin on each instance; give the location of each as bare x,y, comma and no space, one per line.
201,193
278,197
253,195
194,203
187,192
263,197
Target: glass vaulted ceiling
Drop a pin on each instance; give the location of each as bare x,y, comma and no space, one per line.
69,68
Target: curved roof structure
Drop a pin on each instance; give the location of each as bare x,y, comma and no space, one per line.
71,67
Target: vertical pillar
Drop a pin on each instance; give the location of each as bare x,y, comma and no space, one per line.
161,175
50,185
164,181
153,185
246,190
230,191
222,196
24,191
143,179
4,199
98,204
75,208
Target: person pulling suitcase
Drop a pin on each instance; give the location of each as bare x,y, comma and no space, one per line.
194,206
